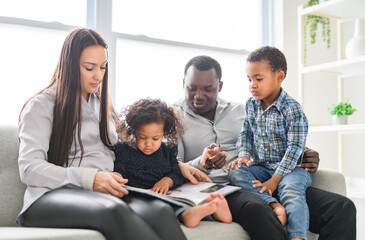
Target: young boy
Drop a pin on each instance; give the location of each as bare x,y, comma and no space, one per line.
272,142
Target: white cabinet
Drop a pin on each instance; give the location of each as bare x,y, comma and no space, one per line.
341,11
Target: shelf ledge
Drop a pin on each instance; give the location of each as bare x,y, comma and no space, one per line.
343,9
349,128
345,68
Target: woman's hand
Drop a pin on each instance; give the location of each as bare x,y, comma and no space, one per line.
163,186
310,161
193,174
110,183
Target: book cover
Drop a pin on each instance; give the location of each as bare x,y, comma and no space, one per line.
188,193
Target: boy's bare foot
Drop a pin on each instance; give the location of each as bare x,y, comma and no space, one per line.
280,212
222,213
192,216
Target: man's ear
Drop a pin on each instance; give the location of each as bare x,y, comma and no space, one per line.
220,86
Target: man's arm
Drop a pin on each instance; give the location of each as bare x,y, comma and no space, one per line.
310,161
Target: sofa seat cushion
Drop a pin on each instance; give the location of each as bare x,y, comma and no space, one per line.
25,233
210,230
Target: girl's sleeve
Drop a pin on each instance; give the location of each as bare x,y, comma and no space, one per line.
34,132
175,173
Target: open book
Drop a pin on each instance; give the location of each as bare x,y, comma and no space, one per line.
188,193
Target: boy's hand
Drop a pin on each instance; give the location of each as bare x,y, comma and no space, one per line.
310,160
269,186
163,186
242,160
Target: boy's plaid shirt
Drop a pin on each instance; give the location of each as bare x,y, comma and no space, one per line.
275,136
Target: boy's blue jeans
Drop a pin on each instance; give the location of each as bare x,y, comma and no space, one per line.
290,193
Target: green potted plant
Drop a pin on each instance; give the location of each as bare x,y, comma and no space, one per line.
312,22
340,112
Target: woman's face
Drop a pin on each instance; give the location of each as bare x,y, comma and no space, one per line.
93,62
149,137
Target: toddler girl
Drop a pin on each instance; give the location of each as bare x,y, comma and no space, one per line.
147,157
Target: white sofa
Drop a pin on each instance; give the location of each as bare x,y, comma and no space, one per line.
12,190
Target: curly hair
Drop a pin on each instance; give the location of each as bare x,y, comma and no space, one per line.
273,55
145,111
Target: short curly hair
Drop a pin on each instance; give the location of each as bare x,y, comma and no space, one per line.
274,56
204,63
145,111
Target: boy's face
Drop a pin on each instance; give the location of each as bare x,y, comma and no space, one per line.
264,84
149,137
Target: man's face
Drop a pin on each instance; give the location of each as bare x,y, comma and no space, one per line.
201,90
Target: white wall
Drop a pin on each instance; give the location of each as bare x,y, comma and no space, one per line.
320,90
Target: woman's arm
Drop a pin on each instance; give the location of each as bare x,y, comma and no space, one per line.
34,131
193,174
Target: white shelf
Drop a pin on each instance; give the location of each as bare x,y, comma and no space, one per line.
345,68
350,128
344,9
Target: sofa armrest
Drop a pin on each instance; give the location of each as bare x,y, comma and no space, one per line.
329,180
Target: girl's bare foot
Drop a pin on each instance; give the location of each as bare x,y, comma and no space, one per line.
192,216
280,212
222,213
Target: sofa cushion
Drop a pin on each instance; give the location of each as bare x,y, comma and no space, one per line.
210,230
11,188
49,234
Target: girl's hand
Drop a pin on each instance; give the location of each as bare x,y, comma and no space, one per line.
110,183
193,174
163,186
242,160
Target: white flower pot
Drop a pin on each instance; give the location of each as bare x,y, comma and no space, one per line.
339,120
356,46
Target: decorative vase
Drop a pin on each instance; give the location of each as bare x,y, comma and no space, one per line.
356,46
340,120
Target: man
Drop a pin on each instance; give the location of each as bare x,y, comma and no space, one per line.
209,119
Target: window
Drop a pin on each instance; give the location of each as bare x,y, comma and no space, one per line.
69,12
232,24
150,41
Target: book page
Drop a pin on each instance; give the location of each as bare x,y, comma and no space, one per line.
198,193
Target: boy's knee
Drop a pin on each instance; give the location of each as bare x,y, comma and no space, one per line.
237,175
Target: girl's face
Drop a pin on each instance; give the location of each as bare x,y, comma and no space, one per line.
149,137
93,62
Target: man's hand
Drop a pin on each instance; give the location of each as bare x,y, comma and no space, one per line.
269,186
213,158
242,160
310,160
216,162
193,174
163,186
110,183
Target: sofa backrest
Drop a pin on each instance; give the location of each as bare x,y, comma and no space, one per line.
11,188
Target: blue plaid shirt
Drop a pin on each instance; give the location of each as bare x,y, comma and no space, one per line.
275,136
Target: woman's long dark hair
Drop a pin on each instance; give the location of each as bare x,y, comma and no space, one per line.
68,99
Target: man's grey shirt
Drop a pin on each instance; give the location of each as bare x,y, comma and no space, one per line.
200,133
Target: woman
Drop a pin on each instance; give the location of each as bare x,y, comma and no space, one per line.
66,135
